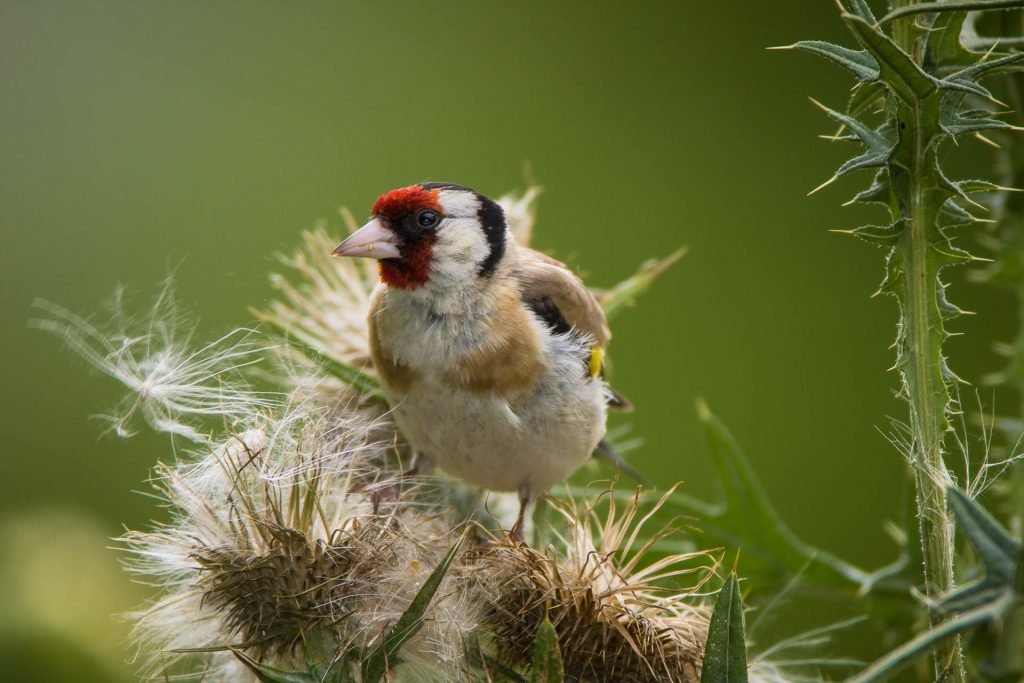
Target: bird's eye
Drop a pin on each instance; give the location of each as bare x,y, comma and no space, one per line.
428,218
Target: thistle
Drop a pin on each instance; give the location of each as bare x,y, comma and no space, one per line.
278,539
925,84
613,619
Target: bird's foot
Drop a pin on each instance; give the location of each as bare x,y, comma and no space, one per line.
388,492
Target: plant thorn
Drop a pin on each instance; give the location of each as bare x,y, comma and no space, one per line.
824,185
967,198
818,104
988,141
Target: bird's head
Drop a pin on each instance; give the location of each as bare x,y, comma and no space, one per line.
437,233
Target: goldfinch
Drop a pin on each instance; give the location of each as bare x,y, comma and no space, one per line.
488,352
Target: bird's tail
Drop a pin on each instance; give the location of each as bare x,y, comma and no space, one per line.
605,451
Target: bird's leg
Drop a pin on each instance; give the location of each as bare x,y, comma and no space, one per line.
524,503
422,464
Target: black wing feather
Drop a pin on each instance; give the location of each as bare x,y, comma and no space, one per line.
550,314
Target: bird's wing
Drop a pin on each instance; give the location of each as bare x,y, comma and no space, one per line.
561,300
564,303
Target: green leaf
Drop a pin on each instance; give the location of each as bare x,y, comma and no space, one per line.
887,235
858,62
893,662
386,654
972,186
859,8
878,147
547,657
325,661
952,215
987,599
942,43
949,6
880,191
865,96
489,668
896,68
621,295
725,652
747,520
271,674
1001,556
971,73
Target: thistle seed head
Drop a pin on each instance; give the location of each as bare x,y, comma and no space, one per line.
614,622
280,533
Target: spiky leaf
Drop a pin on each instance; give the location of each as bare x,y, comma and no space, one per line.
942,48
386,654
989,598
1001,556
747,520
876,145
858,62
896,68
859,8
271,674
622,295
725,653
547,657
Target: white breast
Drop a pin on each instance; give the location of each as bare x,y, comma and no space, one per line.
533,441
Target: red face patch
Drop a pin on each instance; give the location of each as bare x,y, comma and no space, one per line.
410,271
397,203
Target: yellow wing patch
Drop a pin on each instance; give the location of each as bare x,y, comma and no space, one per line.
596,360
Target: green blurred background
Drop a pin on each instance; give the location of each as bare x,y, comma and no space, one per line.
138,137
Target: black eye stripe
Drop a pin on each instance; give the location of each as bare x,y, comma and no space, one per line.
492,220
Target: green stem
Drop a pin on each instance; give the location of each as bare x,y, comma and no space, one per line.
927,392
928,398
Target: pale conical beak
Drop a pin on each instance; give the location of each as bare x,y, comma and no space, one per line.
373,240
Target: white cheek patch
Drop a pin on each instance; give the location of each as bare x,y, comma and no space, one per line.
460,249
461,245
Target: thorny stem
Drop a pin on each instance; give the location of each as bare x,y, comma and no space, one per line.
925,381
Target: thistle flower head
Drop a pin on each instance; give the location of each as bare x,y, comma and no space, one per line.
279,534
521,213
329,298
616,619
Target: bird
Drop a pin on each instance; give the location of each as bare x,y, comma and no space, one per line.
489,353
